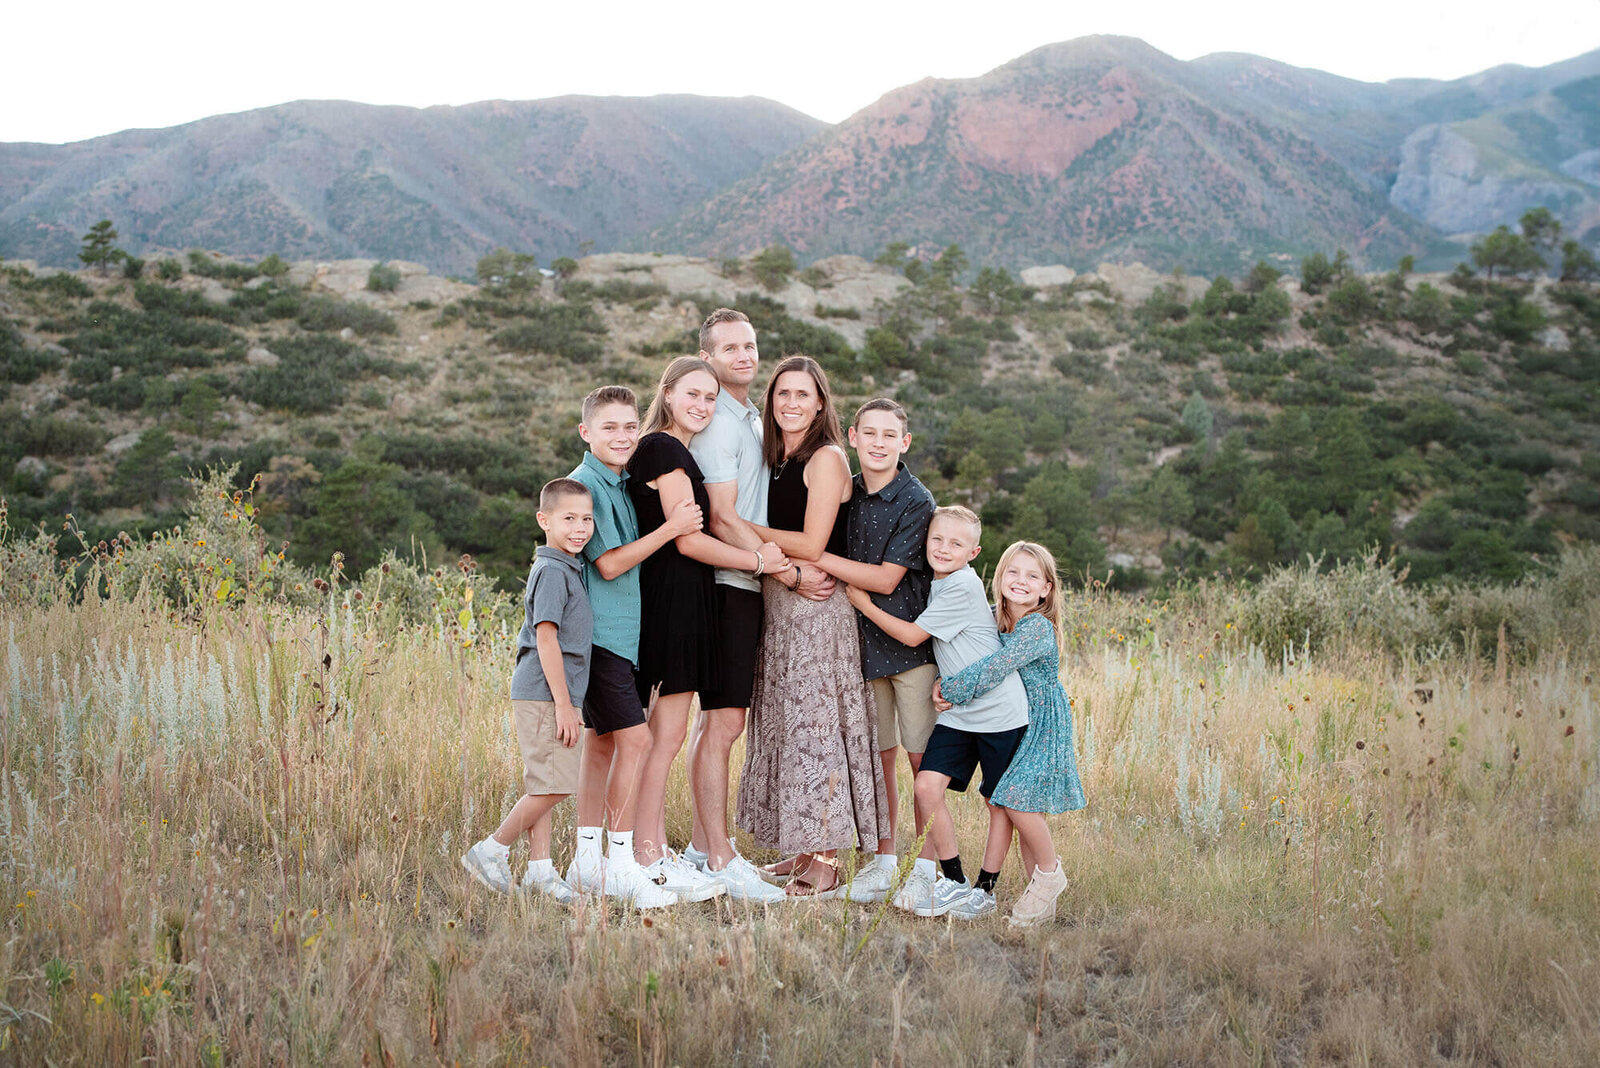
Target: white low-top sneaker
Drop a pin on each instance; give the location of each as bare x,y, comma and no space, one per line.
552,886
744,882
587,878
973,904
630,883
871,885
930,897
683,878
490,870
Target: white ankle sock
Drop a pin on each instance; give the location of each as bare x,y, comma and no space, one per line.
495,849
588,843
543,868
927,867
620,847
887,861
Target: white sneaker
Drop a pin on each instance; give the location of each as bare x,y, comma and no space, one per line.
587,878
630,883
683,879
695,857
552,886
1037,904
744,882
973,904
871,885
930,897
490,870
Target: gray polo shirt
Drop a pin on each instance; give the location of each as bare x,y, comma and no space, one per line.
729,450
554,594
962,625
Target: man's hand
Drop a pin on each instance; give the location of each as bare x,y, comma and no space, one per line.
773,559
814,583
685,518
857,596
569,725
939,703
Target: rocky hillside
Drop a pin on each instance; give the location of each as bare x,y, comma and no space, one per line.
1149,424
438,185
1104,147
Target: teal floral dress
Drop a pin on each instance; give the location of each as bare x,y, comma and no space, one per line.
1043,776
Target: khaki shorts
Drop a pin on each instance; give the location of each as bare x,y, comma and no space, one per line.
905,708
548,767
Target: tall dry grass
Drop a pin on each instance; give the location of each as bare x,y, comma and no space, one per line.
231,831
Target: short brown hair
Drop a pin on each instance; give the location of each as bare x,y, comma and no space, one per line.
717,318
608,395
558,488
884,404
963,513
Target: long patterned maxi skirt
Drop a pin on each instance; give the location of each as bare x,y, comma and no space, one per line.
812,780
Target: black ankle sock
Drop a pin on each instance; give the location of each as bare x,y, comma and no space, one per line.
952,869
987,879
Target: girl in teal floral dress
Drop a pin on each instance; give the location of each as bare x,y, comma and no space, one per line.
1043,776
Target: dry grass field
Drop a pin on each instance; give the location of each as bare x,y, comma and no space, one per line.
231,828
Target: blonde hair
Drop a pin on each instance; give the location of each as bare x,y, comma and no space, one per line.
658,418
1051,607
963,513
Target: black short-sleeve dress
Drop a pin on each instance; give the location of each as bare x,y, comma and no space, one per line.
678,624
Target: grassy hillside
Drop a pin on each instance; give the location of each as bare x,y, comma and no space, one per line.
1145,427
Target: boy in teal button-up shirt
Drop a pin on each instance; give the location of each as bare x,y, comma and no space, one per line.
615,738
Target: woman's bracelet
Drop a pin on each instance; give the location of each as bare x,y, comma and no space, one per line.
797,576
761,565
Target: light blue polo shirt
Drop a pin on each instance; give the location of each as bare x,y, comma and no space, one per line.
729,450
615,602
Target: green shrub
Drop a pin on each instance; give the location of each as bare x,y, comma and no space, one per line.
133,267
60,284
383,278
169,270
570,330
52,435
18,363
331,314
208,265
314,374
274,266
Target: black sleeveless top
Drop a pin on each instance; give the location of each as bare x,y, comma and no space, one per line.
786,505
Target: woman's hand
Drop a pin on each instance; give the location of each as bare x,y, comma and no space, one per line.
939,703
773,559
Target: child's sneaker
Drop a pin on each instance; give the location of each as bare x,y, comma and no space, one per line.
630,883
549,884
683,879
488,867
927,896
871,885
587,878
1038,902
744,882
976,902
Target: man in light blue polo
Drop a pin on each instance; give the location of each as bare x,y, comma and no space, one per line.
615,738
729,454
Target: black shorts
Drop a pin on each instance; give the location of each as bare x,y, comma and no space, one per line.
957,753
612,700
739,636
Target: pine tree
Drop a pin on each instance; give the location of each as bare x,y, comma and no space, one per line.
99,246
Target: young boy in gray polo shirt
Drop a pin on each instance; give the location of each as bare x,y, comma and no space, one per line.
547,689
984,732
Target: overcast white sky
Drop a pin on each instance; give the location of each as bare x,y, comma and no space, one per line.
78,70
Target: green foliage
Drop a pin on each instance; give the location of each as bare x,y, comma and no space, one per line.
359,510
212,265
59,285
18,362
320,313
509,272
274,266
50,435
132,267
169,270
1506,252
99,247
383,278
1578,264
149,473
314,374
573,331
1318,273
564,266
772,266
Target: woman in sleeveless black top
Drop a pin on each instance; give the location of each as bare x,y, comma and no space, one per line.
812,781
677,633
